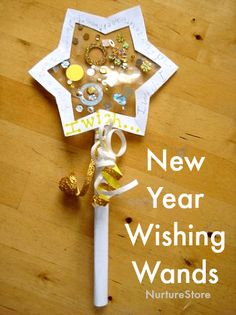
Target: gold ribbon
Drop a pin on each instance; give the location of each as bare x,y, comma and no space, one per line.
111,175
69,184
108,174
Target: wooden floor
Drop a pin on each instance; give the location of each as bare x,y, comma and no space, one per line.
46,240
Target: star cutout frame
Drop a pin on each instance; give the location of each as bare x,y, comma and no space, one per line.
131,18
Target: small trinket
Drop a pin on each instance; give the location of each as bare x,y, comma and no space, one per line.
104,82
79,93
79,108
124,66
75,41
69,82
146,66
125,45
112,44
99,79
103,70
93,67
97,37
120,38
105,43
86,36
90,72
91,61
91,109
92,97
112,67
117,62
65,64
98,97
120,99
91,90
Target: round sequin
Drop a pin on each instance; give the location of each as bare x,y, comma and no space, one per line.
79,108
65,64
74,72
90,72
86,36
138,62
69,82
75,41
103,70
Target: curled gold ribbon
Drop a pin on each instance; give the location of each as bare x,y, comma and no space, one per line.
111,175
69,184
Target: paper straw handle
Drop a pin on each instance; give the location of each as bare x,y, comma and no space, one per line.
101,226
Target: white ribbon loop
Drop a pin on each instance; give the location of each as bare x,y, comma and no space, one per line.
103,155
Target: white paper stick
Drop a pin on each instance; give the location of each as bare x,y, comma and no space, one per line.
101,236
101,227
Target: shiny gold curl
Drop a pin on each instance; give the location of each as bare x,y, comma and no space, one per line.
69,184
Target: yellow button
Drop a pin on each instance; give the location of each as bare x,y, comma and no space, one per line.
74,72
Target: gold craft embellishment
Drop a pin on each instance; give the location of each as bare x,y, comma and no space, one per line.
111,176
146,66
69,186
98,62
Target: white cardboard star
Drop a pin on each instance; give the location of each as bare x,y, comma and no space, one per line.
131,18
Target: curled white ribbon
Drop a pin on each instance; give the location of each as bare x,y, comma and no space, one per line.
103,155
